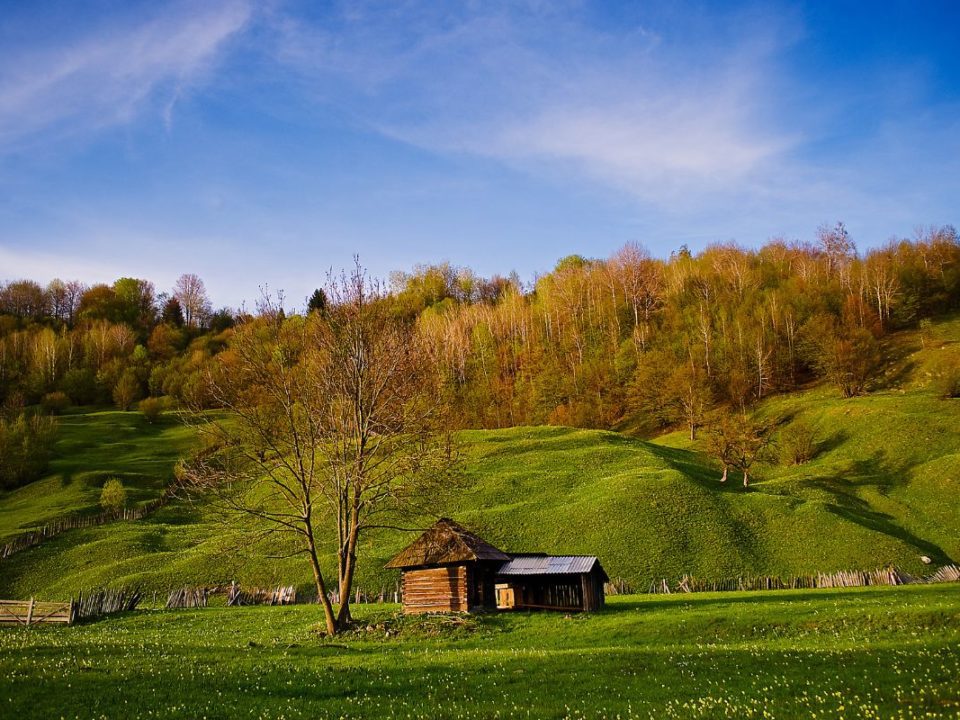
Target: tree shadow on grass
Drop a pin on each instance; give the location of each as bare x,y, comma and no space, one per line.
882,523
832,442
881,473
692,465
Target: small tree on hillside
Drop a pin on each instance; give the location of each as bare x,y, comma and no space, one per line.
113,496
152,409
738,442
127,389
848,356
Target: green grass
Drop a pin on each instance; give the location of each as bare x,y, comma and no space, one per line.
91,448
883,489
870,653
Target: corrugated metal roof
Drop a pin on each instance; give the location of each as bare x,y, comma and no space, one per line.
548,565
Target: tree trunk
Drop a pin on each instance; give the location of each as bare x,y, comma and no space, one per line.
725,470
746,478
320,584
348,563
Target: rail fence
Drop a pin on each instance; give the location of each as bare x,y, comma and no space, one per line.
75,522
190,597
840,579
85,606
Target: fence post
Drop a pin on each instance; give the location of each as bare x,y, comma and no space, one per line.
30,612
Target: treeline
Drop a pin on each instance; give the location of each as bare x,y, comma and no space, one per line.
595,342
72,344
592,343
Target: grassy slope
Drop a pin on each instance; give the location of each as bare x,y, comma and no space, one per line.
91,448
889,652
885,488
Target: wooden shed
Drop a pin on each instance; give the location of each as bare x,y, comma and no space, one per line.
448,569
573,583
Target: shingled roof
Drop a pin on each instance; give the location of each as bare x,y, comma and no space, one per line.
446,542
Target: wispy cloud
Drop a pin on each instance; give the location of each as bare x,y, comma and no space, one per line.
104,80
540,89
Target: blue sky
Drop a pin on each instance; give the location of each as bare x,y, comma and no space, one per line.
262,143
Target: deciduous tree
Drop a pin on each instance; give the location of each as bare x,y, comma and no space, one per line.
334,428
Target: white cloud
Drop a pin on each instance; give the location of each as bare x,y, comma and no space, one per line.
542,90
105,80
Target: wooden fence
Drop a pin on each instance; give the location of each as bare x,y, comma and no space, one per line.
74,522
189,597
280,595
843,578
34,612
97,603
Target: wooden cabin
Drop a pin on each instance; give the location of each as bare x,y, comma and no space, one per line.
449,569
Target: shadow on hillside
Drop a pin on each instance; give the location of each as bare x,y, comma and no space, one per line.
692,465
881,472
883,523
832,442
545,439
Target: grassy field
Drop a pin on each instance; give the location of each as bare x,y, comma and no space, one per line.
865,653
883,489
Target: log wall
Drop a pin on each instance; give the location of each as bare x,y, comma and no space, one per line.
441,589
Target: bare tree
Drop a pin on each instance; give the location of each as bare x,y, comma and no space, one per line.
689,391
333,428
192,296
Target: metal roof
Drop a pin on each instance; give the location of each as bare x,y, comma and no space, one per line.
548,565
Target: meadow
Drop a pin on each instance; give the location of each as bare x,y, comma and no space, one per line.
866,653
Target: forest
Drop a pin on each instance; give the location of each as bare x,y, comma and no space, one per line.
630,342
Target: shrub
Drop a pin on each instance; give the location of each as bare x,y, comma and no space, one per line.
798,443
948,378
80,385
113,497
126,390
55,403
152,409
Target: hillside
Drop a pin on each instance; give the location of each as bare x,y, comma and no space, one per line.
883,489
91,448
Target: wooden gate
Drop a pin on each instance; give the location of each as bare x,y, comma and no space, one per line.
31,612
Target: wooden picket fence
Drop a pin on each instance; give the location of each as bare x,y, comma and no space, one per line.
97,603
191,597
187,598
74,522
841,579
35,612
280,595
